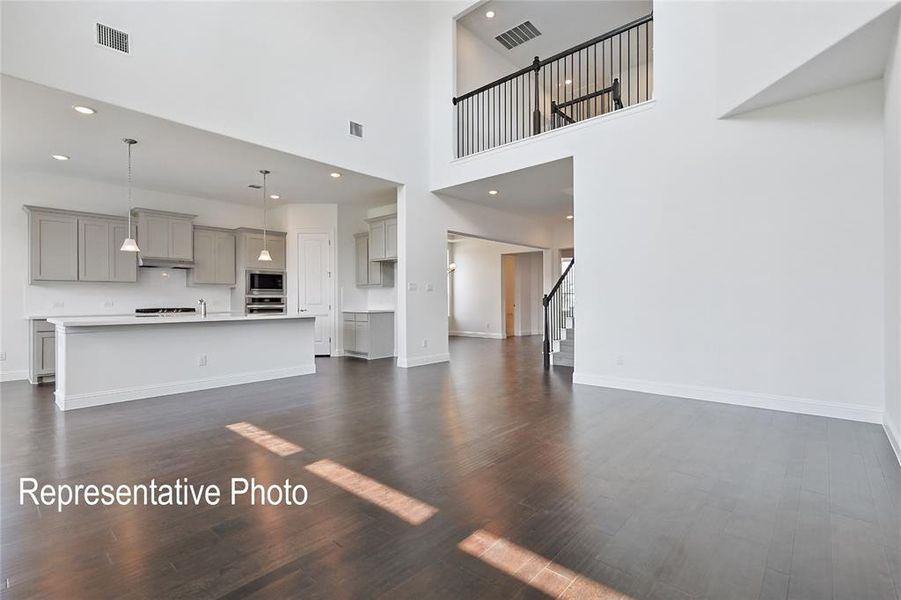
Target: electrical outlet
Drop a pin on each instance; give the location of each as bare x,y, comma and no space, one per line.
59,305
487,325
412,287
430,287
425,343
620,361
108,304
202,361
2,355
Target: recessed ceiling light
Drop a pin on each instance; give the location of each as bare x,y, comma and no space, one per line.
490,14
570,217
85,110
335,175
60,156
568,82
274,196
492,192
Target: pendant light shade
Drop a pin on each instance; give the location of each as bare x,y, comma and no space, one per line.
264,253
129,245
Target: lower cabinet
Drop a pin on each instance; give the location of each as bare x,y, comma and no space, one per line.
43,351
368,335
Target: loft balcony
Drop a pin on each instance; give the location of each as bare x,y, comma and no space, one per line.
601,75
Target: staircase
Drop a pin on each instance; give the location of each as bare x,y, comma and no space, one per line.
559,321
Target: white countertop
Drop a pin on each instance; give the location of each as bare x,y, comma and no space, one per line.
368,311
132,320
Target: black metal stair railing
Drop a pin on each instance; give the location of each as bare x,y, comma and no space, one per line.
606,73
559,311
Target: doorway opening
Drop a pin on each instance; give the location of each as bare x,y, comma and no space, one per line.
494,288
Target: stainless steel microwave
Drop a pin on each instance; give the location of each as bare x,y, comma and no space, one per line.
265,282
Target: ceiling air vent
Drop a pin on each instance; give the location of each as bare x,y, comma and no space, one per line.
112,38
356,129
518,35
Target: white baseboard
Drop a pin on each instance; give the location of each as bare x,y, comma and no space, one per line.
477,334
13,375
73,401
419,361
337,353
805,406
894,438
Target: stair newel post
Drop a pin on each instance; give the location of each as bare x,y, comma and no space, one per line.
547,334
536,114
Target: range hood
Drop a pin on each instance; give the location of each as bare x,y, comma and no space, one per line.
164,263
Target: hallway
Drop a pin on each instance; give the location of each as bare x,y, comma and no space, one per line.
650,497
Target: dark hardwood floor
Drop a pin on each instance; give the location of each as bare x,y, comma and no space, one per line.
652,497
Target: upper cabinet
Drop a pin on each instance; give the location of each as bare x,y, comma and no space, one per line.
383,238
370,272
214,257
165,235
99,257
75,246
250,244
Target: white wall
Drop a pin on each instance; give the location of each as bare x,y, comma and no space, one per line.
739,260
477,298
478,63
286,75
892,249
152,289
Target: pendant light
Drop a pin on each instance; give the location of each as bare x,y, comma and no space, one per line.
129,245
264,253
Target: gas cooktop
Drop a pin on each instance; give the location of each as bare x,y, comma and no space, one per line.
163,312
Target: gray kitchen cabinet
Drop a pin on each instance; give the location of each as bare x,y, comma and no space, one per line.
78,246
370,273
53,243
383,238
124,265
165,235
42,345
251,243
214,257
391,239
99,257
369,334
181,239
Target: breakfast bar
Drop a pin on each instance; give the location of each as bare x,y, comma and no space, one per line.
104,360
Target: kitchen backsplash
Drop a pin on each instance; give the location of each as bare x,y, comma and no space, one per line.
154,288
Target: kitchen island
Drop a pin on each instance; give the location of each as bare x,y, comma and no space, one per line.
103,360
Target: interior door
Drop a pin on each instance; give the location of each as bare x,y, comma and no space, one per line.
509,274
314,286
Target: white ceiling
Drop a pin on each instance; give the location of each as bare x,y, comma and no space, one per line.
38,121
563,24
544,190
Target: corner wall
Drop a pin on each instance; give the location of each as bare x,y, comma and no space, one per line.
892,422
736,260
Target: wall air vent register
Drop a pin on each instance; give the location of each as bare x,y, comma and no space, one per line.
112,38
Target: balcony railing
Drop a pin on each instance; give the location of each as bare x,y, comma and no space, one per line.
606,73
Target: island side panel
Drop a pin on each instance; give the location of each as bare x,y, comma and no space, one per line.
108,364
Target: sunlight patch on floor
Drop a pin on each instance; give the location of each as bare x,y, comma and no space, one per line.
409,509
533,569
267,440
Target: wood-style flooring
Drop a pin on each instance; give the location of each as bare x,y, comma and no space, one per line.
648,496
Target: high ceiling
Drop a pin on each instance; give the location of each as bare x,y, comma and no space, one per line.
544,190
38,122
563,24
